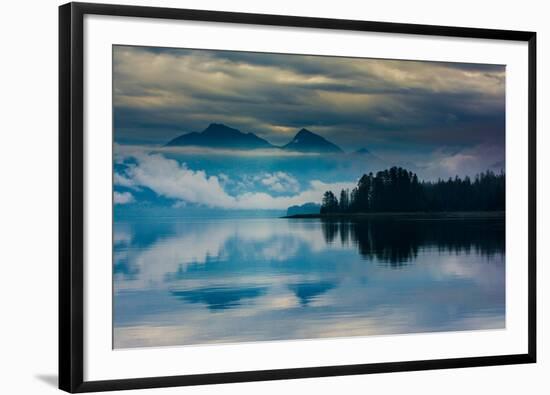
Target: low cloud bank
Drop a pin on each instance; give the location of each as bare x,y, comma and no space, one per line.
170,179
123,198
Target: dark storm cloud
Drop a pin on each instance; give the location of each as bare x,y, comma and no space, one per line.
314,64
385,104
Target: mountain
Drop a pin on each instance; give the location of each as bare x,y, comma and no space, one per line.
220,136
306,141
365,155
362,151
306,208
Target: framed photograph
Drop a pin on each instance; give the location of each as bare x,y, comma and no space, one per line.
253,197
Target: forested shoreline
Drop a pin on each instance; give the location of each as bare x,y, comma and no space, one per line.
400,190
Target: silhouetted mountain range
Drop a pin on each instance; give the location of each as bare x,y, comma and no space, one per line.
222,136
306,141
362,151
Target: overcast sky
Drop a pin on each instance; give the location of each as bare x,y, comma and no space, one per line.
406,111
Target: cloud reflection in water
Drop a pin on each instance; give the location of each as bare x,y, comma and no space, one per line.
203,281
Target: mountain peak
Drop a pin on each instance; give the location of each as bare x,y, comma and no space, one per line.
307,141
218,135
303,131
219,128
363,151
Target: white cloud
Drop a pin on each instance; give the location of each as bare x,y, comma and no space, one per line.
122,236
258,241
261,200
168,178
224,178
469,161
123,181
123,198
281,182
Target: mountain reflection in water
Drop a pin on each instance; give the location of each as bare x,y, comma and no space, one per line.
191,281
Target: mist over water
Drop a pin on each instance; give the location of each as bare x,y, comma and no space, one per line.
197,281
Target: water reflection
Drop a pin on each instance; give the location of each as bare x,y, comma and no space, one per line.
398,241
204,281
219,298
308,292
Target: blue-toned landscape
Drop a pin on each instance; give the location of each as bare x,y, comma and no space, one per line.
276,197
228,280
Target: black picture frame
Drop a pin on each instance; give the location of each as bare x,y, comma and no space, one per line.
71,195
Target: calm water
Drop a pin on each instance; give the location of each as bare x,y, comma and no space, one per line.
203,281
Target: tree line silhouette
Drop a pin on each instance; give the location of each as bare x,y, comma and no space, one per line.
399,190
